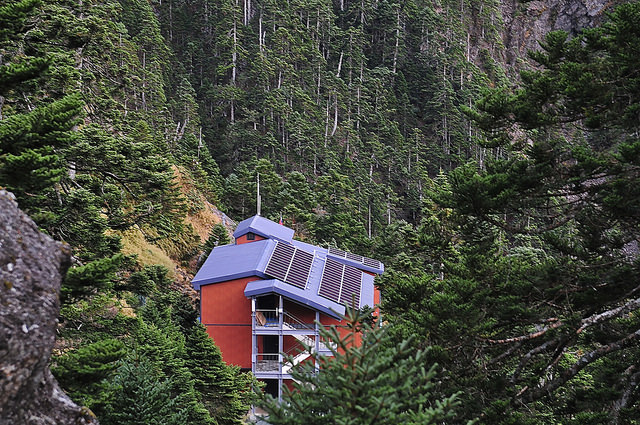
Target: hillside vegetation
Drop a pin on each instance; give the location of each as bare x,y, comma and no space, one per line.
504,205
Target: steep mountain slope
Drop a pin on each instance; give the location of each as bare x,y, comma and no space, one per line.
123,123
88,139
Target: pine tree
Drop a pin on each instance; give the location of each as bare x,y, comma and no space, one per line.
160,342
12,21
539,286
219,236
84,372
363,383
30,146
223,389
142,396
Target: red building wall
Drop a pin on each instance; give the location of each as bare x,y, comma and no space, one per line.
226,314
244,239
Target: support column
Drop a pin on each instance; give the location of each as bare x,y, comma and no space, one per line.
254,345
280,344
316,335
254,337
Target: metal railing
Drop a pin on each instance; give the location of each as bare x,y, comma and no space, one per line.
295,323
269,318
267,362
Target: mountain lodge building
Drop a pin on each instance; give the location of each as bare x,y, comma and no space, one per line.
262,296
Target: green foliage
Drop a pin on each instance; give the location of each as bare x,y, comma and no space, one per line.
87,164
29,146
170,336
533,312
15,73
223,390
162,355
13,15
331,87
142,396
94,276
371,382
148,280
219,236
82,224
83,372
348,111
132,177
159,343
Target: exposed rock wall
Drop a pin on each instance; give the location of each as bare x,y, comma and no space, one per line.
31,270
527,22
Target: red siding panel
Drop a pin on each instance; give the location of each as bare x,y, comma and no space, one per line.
224,303
226,313
243,239
234,342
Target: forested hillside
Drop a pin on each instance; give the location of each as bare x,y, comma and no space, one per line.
361,98
504,204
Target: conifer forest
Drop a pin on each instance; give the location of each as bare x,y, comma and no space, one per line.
495,173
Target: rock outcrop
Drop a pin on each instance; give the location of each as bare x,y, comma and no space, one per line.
527,22
31,270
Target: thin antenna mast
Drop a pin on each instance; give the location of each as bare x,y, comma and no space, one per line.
258,200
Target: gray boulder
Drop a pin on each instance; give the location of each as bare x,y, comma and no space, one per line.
31,269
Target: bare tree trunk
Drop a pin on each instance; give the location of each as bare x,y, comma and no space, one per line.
326,123
468,46
234,64
260,35
170,20
234,54
144,80
358,94
369,221
335,115
315,158
395,51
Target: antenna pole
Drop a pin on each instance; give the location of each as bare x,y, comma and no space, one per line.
258,200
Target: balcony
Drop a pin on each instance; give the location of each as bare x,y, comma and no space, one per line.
267,363
274,319
272,365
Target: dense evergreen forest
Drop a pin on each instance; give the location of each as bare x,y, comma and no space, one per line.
503,200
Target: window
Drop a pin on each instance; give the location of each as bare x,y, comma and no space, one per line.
251,236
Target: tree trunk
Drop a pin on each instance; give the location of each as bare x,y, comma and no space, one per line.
395,51
335,115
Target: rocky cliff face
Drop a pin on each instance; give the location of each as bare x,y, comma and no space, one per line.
527,22
31,270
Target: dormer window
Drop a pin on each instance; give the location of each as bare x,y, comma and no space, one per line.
251,236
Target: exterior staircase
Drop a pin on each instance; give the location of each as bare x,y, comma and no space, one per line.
306,340
302,356
305,333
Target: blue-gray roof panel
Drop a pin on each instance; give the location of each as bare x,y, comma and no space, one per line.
303,283
265,228
230,262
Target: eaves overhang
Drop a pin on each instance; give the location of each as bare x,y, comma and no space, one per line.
274,286
230,262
